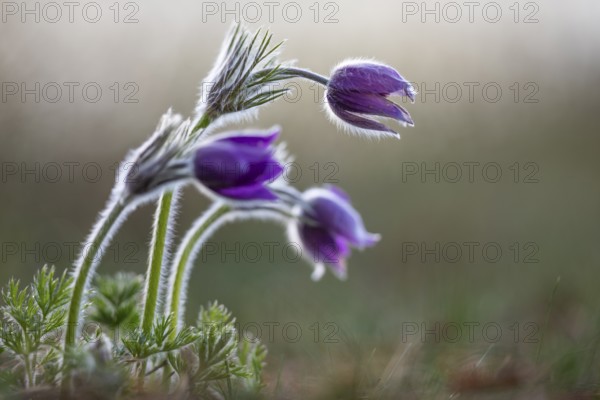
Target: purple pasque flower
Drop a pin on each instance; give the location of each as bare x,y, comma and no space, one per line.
238,166
327,226
357,93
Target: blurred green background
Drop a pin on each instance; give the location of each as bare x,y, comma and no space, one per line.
548,127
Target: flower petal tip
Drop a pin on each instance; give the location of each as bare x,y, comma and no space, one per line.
273,132
373,238
318,272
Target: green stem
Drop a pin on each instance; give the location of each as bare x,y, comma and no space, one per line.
163,214
141,376
184,260
28,375
156,259
90,257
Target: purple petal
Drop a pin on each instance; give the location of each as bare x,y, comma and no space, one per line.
337,215
369,104
371,78
324,247
222,164
263,171
238,167
253,192
341,193
339,268
254,140
358,121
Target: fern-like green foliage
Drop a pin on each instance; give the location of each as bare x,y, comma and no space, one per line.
218,364
217,347
253,355
32,319
141,346
115,300
208,359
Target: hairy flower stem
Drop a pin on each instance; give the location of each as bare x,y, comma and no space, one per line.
158,248
108,223
300,73
88,259
28,372
306,74
163,217
183,262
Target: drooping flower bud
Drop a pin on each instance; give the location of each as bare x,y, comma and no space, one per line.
327,227
238,166
357,93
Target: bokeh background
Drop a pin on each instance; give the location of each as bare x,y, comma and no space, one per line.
544,125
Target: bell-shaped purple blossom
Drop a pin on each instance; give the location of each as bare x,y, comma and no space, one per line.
358,91
327,227
238,166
